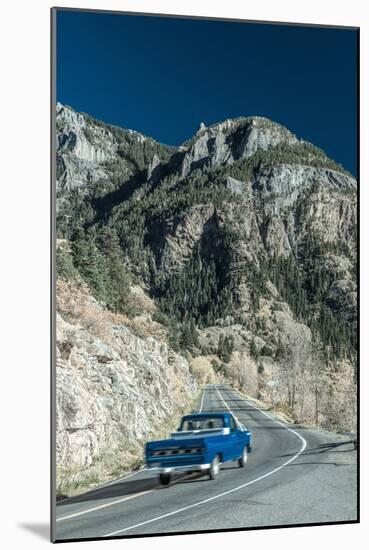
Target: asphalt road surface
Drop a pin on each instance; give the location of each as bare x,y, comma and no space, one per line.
293,476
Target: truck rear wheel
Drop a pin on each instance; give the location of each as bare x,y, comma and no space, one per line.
243,458
214,467
165,479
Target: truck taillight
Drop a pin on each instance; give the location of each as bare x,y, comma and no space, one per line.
173,452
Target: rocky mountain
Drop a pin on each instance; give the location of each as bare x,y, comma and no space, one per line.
244,238
91,154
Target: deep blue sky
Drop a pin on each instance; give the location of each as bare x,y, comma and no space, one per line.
163,76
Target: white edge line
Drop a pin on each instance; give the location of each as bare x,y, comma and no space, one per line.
227,406
97,488
202,400
304,444
76,514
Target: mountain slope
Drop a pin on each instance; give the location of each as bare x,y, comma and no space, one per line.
245,238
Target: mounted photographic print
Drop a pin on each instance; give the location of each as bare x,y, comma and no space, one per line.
204,365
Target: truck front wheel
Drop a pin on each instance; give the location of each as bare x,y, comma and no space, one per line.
164,479
214,467
243,458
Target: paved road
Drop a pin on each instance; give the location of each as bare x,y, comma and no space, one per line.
293,476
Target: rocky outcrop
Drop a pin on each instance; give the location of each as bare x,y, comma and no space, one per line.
183,237
235,186
82,148
77,173
232,140
154,170
88,142
82,141
113,393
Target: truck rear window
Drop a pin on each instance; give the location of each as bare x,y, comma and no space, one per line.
208,423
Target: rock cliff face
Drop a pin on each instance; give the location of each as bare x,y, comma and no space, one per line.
115,390
90,144
232,140
82,148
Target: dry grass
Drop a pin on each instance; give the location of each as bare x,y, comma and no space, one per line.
77,306
110,465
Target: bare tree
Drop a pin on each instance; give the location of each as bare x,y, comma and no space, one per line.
295,365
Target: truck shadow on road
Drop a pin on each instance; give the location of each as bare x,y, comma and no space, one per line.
118,489
328,448
202,476
129,488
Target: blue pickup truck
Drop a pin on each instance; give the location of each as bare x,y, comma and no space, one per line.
203,441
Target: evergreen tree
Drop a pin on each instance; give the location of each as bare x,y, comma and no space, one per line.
253,349
64,263
225,347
